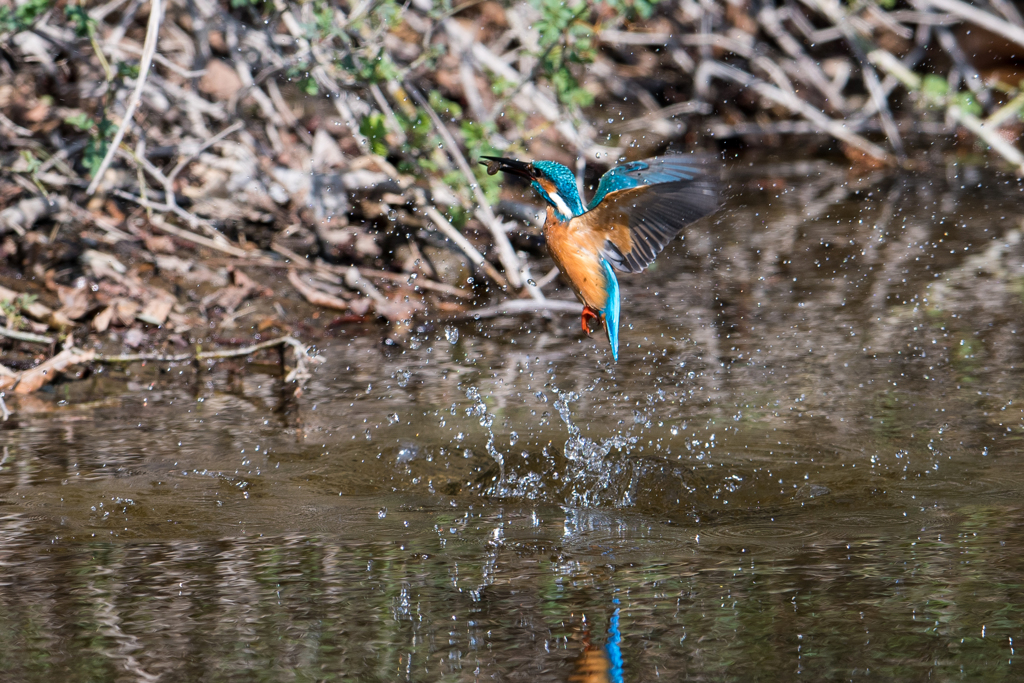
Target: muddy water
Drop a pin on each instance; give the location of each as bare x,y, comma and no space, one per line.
806,464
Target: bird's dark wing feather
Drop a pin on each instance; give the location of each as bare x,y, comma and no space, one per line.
638,222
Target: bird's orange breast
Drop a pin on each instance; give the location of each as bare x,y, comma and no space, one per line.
576,251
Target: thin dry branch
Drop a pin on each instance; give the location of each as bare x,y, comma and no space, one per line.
827,125
522,307
464,245
303,356
506,253
148,50
978,17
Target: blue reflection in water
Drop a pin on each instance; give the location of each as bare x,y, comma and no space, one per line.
611,648
600,664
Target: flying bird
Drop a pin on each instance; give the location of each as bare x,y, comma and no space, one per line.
638,208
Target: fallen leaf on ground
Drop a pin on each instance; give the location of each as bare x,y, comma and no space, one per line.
315,296
101,321
134,338
74,301
32,379
157,308
125,310
229,298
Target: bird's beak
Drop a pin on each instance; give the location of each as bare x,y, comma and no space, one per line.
519,168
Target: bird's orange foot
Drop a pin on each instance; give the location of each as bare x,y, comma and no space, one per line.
589,314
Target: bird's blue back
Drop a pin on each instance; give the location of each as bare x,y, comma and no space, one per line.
647,172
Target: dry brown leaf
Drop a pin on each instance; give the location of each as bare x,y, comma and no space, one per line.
361,306
74,301
101,322
315,296
32,379
220,81
159,244
37,113
449,307
8,378
125,310
230,298
155,312
397,311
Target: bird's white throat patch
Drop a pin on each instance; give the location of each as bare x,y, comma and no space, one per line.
560,204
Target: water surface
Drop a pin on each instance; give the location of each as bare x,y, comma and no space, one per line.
806,464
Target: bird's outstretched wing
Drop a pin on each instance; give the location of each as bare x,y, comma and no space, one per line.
640,206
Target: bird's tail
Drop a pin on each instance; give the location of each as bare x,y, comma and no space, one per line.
611,308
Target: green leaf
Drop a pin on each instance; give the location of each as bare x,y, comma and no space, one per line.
96,148
23,16
300,74
81,121
8,23
632,9
85,26
967,103
458,216
31,162
444,107
934,86
126,70
375,130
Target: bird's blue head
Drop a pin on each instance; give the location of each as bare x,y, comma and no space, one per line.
555,183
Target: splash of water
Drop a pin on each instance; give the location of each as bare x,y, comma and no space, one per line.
479,409
588,477
590,472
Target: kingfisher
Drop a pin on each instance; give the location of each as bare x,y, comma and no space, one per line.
638,208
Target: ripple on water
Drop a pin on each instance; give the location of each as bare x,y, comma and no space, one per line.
618,548
762,533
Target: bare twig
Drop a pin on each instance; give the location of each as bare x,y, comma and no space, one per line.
14,128
163,225
828,125
296,261
314,295
768,18
26,336
464,245
506,253
303,357
990,135
522,307
970,75
1006,112
32,379
148,50
206,144
1007,9
978,17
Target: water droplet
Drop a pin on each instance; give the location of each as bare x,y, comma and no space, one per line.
382,513
393,418
513,438
451,333
403,377
531,282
